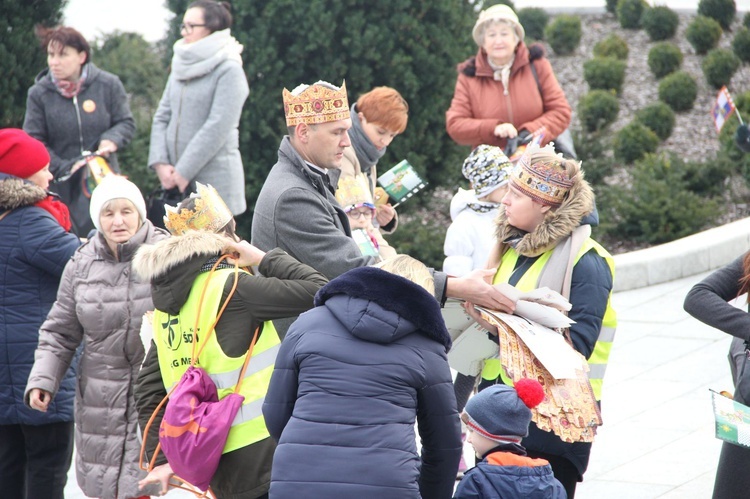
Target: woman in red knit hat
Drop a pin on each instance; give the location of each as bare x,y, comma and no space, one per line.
35,244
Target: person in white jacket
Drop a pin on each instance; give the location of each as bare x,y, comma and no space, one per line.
471,235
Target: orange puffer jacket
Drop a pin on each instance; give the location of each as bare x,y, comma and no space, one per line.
479,103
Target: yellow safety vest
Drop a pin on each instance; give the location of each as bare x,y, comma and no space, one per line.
174,336
529,281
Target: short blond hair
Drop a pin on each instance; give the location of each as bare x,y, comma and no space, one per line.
411,269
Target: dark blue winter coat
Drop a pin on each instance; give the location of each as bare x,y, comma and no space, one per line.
351,378
502,475
34,249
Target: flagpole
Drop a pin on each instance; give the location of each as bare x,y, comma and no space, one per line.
738,115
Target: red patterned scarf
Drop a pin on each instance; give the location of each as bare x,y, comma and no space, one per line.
70,89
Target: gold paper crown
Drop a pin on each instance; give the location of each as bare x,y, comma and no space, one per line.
210,214
353,192
318,103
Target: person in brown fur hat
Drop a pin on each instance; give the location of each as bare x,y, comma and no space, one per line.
544,239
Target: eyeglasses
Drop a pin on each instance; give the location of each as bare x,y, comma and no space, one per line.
188,27
360,213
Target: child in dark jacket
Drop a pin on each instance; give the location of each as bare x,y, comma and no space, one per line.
497,418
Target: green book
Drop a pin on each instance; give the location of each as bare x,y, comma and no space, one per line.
732,420
401,182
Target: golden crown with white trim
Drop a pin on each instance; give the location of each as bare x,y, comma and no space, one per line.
210,214
317,103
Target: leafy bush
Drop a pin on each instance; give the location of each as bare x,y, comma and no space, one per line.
721,10
657,117
703,33
660,22
678,90
629,13
564,34
533,20
719,66
664,58
606,73
597,110
657,207
612,46
633,141
741,44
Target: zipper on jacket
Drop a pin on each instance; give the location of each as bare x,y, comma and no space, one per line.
80,126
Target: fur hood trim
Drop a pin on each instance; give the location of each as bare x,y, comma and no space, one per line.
557,225
394,294
524,55
155,260
16,192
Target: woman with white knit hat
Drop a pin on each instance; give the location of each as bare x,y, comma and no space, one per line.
99,305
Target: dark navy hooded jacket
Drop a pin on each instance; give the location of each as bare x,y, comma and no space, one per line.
352,377
34,249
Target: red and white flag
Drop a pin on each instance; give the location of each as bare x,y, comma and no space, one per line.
723,107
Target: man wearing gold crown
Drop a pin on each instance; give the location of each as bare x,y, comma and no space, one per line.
298,212
179,268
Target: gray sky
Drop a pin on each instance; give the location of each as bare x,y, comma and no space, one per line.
94,17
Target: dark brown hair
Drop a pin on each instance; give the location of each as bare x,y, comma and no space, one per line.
63,36
216,15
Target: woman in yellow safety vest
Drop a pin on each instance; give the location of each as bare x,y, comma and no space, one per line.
543,239
178,268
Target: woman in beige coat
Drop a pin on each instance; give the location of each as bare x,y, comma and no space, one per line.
99,305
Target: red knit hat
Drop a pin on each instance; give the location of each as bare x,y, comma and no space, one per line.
20,154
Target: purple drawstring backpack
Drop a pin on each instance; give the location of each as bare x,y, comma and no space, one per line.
196,424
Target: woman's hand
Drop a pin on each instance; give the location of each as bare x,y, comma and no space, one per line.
161,475
39,399
505,131
165,173
180,182
245,253
477,316
385,214
106,147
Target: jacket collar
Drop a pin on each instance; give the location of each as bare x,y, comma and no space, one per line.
16,192
485,70
557,225
289,154
393,293
43,78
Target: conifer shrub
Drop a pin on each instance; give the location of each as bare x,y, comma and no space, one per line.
660,22
633,142
664,58
703,33
721,10
678,90
719,66
612,46
534,20
629,13
611,6
741,44
564,34
592,149
657,117
746,20
597,110
606,73
657,206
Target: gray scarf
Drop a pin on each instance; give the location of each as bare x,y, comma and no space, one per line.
366,152
192,60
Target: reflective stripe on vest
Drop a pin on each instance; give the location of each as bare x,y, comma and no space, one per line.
603,346
173,336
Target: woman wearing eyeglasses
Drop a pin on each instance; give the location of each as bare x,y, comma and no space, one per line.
194,135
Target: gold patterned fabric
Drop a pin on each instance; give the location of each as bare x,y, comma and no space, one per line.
316,104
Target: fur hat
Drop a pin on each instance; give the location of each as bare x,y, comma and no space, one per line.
502,413
487,168
499,12
21,155
115,187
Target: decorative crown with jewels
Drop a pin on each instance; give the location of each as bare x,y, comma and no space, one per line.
209,215
316,103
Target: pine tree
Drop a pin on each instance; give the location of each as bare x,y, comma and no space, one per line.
21,57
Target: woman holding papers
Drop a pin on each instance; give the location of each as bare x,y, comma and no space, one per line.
544,241
708,302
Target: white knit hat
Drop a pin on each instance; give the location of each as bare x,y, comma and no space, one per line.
115,187
499,12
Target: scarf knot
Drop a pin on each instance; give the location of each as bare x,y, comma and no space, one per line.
70,89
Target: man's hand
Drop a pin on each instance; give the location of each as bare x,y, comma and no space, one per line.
161,475
475,287
39,399
245,253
